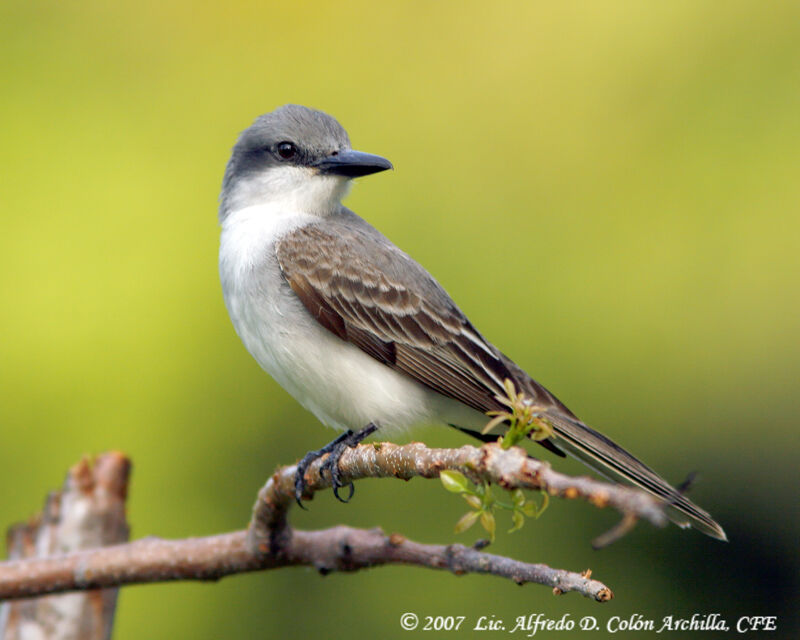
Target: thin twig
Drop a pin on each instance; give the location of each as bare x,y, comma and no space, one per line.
270,543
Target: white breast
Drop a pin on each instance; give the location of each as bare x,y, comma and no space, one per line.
344,387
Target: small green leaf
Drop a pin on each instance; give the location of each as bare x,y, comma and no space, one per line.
501,417
518,497
454,481
545,503
473,501
518,519
532,510
466,521
488,523
542,429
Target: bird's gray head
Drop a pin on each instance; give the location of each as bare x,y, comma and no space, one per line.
294,157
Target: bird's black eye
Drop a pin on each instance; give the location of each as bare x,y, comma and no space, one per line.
287,150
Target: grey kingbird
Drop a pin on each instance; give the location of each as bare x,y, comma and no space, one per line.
352,327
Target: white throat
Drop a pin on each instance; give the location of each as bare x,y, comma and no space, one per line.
289,189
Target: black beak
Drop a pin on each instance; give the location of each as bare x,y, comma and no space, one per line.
353,164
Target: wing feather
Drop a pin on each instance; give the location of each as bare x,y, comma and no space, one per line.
375,309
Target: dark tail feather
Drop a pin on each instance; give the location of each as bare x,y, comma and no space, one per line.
611,460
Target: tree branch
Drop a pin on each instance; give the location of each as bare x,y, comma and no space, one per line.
269,542
336,549
88,512
510,469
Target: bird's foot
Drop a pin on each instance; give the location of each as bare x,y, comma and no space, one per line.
334,449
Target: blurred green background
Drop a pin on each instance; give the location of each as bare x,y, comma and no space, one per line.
609,190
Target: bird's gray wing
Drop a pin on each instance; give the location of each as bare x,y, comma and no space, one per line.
365,290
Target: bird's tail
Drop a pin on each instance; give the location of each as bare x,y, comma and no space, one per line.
609,459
